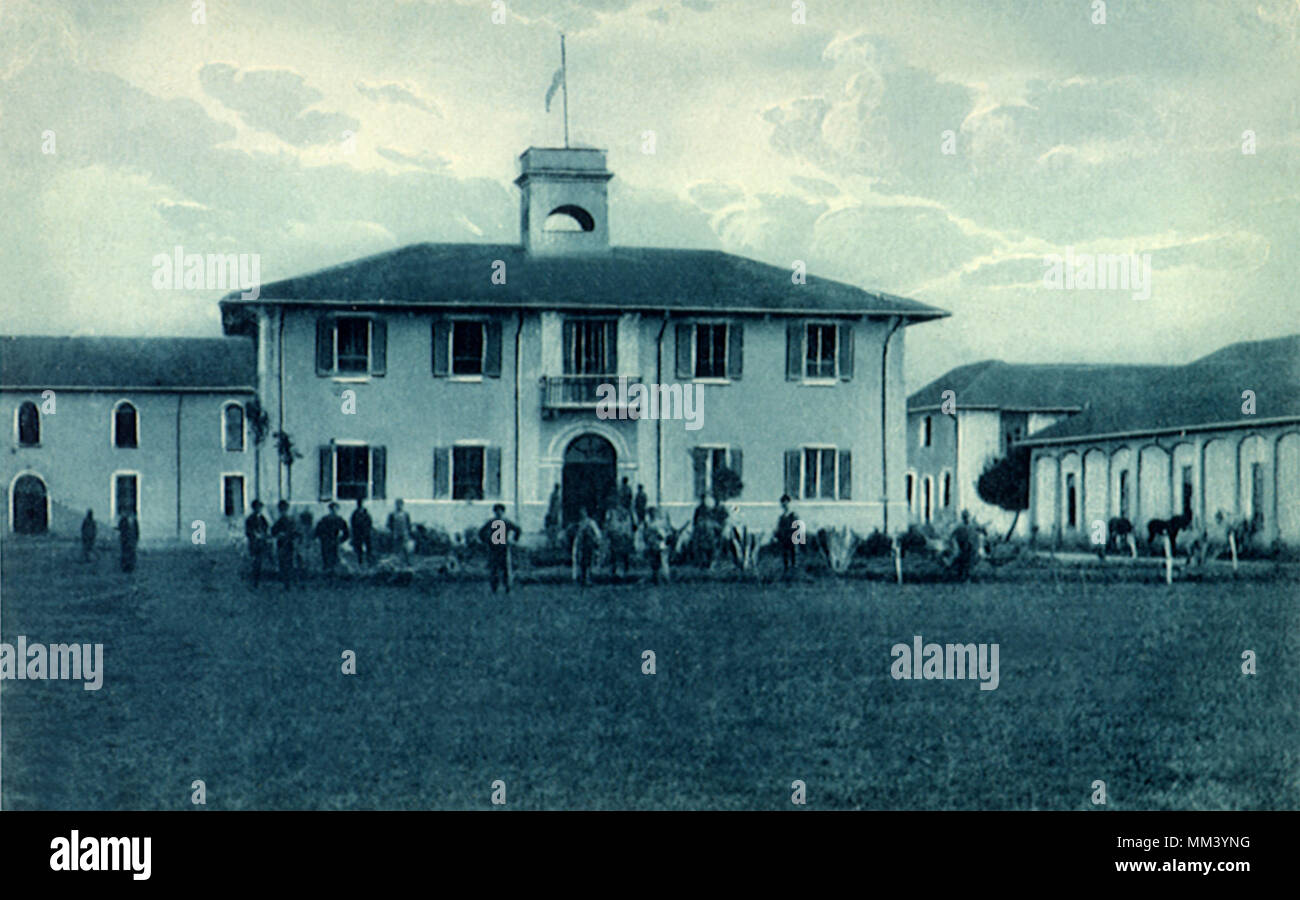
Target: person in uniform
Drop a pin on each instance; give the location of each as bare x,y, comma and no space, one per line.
285,533
362,533
496,534
785,528
257,530
331,531
586,541
128,528
88,532
399,526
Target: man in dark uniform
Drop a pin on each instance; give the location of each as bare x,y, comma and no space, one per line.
331,531
257,530
785,527
128,535
88,531
362,528
496,535
285,531
965,539
639,507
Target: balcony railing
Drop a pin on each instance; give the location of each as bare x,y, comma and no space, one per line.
579,391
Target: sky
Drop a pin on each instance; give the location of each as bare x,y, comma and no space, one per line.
943,150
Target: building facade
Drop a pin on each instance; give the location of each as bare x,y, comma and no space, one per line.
454,376
154,425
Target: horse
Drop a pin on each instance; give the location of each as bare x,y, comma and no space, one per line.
1170,527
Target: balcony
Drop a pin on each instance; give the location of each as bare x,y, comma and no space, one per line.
578,392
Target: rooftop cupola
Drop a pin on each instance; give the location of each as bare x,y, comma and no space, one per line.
564,203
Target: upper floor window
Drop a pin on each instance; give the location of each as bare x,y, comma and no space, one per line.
29,424
819,352
591,347
710,350
927,431
232,426
351,345
467,348
126,425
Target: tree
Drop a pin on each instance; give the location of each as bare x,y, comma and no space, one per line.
288,456
1004,483
726,484
259,422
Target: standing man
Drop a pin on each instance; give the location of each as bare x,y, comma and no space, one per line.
656,546
362,531
495,535
639,506
785,528
285,533
965,540
88,531
586,540
625,496
399,526
618,525
128,528
331,531
257,530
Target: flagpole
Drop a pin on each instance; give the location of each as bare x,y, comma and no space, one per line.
564,84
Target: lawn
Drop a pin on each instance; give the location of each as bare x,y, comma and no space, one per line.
1137,684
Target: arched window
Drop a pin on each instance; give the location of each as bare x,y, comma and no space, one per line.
126,425
29,424
569,218
232,427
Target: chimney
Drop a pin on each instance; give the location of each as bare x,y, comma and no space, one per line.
564,203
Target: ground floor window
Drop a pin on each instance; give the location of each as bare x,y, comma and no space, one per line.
819,473
352,472
126,494
1071,503
232,495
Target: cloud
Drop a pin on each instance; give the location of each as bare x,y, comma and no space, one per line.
276,101
431,162
392,92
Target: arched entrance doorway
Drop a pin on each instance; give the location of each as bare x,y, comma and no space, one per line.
31,512
589,475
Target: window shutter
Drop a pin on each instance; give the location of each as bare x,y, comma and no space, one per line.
378,472
492,472
844,338
325,489
441,347
378,346
492,350
441,472
324,345
792,467
736,462
699,457
846,475
793,353
735,350
685,364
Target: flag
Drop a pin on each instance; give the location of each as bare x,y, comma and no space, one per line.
556,81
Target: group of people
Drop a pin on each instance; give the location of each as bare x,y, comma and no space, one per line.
128,538
290,538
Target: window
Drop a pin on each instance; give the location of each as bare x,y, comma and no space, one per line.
818,473
232,495
126,493
1188,489
1257,495
126,426
927,499
927,431
29,424
707,462
909,491
711,351
232,431
591,347
468,342
352,472
947,490
1071,503
820,352
1123,493
467,471
353,353
351,345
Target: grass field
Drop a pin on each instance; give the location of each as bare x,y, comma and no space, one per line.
757,685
